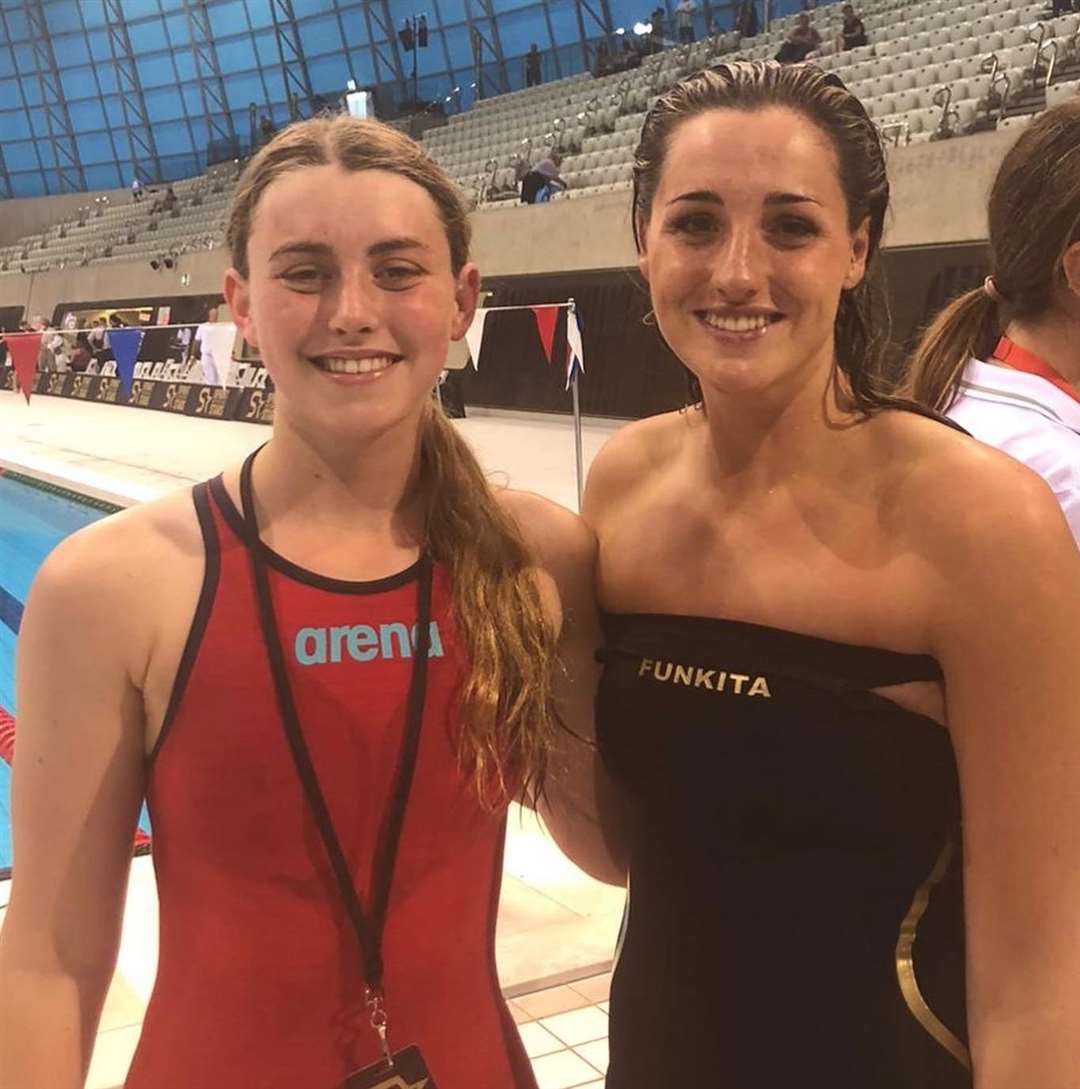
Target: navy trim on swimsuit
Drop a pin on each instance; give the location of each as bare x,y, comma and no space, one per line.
302,574
202,613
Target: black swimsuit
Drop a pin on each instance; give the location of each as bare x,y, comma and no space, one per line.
796,913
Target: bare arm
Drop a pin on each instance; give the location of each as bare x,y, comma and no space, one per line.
1008,636
77,788
580,807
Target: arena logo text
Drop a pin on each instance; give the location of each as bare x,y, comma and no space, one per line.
361,643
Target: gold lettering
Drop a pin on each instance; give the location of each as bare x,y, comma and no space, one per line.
704,678
684,674
667,666
760,687
646,665
739,679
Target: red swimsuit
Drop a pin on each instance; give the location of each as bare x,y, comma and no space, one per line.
260,983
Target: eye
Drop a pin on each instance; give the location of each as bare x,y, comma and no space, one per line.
694,224
398,276
795,228
305,277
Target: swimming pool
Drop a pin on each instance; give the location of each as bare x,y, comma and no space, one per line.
34,519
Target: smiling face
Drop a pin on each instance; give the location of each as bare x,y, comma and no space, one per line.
350,297
747,248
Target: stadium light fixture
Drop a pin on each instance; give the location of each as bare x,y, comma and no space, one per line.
640,29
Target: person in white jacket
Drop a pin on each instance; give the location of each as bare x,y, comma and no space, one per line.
1003,360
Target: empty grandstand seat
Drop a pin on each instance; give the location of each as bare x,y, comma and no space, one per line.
1057,93
1014,36
1017,121
926,76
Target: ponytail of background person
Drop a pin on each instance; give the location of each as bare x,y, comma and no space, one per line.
1033,218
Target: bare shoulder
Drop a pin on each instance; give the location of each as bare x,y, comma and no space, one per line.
562,543
119,560
971,510
633,454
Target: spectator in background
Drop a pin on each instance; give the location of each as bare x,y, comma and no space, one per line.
266,127
803,39
853,33
169,201
136,190
210,365
545,175
684,21
657,21
533,75
631,55
746,24
603,61
96,340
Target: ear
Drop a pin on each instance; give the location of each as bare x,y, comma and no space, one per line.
238,296
1070,268
860,250
466,298
642,257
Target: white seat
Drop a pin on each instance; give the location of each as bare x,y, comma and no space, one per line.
1015,122
949,71
1005,20
1014,36
927,76
1057,93
881,85
965,112
905,101
1066,25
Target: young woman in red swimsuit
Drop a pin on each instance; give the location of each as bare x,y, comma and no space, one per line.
328,671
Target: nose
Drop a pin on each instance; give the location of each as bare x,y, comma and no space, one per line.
355,303
738,264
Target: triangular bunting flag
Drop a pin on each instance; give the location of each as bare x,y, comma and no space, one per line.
219,338
24,349
575,356
546,317
475,334
125,344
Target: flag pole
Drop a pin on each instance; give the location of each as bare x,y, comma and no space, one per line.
580,460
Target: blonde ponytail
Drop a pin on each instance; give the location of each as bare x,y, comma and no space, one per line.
507,698
968,327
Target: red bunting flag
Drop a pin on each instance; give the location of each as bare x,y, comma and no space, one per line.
546,317
24,349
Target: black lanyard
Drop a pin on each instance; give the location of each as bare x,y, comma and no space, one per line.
369,927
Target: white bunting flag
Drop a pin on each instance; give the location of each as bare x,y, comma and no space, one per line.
574,352
475,335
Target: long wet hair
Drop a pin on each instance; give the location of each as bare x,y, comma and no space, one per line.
1034,217
507,696
862,320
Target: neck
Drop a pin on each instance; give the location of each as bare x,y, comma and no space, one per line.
366,486
766,440
1055,341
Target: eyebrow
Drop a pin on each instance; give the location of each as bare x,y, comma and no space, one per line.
321,249
707,196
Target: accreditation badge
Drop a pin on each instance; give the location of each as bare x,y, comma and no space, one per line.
408,1071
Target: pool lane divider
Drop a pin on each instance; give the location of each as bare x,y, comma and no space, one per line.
59,490
11,611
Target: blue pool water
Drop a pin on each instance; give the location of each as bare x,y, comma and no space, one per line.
32,523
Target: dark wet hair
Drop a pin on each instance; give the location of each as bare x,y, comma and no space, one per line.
862,319
1034,217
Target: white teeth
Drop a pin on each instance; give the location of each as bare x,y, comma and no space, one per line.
737,324
356,366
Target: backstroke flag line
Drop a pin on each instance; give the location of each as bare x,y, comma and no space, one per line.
546,317
575,356
24,349
475,334
125,344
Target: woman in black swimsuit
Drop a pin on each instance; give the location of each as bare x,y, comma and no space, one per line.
843,657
